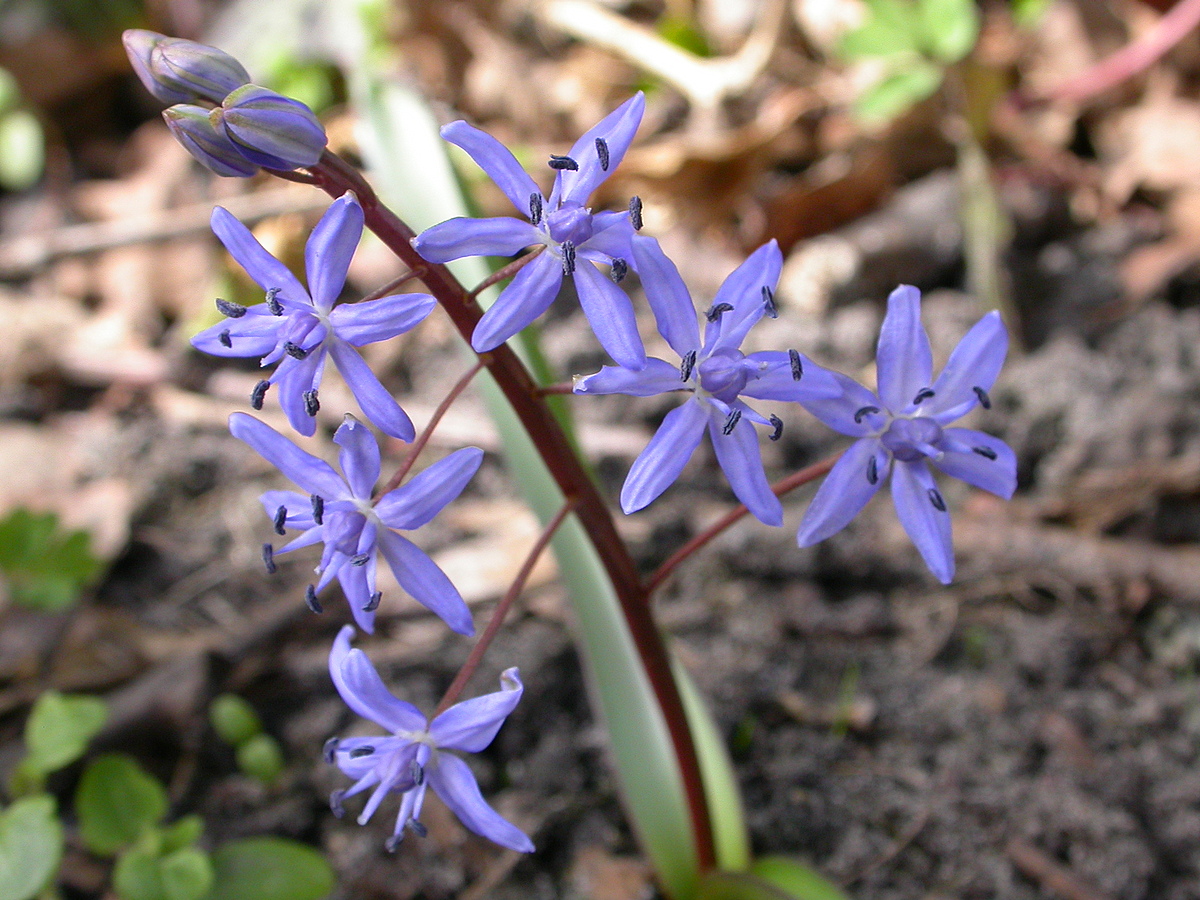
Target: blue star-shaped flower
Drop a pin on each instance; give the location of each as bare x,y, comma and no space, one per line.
340,512
904,428
413,757
300,330
575,238
718,375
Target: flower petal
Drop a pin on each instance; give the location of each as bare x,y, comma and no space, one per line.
312,474
903,360
358,765
363,690
415,503
353,580
253,334
359,456
660,463
379,406
424,581
298,507
496,160
849,412
975,363
472,724
922,512
612,233
844,492
610,313
527,296
668,296
451,779
741,461
330,248
775,378
268,272
747,290
295,378
459,237
993,470
616,130
365,323
658,377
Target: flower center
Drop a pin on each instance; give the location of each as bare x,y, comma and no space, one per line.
723,374
570,223
910,439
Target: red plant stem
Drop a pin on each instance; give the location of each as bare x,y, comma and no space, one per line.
506,272
501,610
423,438
393,284
334,176
561,388
1134,57
779,488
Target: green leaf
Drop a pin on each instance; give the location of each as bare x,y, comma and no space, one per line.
261,758
771,878
182,834
10,91
137,875
795,879
31,844
22,150
233,719
187,874
897,92
116,802
58,731
893,27
45,567
949,28
1027,13
269,868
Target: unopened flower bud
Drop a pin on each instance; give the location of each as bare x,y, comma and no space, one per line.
272,130
208,73
175,70
193,127
139,45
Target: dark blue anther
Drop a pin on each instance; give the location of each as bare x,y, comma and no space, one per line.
777,425
535,208
311,601
295,351
715,312
769,302
360,752
797,365
280,518
568,252
373,603
311,402
318,509
257,395
865,411
731,422
872,471
225,338
635,212
268,558
984,400
273,304
685,367
936,499
922,395
560,163
602,152
329,750
620,269
230,309
985,452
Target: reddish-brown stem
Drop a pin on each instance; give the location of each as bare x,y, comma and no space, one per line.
335,177
423,438
393,284
779,488
501,610
561,388
1134,57
506,271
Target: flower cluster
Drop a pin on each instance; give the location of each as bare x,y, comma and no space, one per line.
900,429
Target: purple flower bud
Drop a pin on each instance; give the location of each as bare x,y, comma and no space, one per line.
193,127
175,70
272,130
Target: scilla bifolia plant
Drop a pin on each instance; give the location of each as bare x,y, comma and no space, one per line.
236,128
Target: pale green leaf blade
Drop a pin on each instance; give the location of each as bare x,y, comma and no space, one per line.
31,844
949,28
269,868
116,802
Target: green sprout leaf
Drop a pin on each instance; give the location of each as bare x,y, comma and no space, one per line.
233,719
136,875
182,834
116,802
795,879
31,843
56,734
45,567
22,150
893,27
899,91
187,874
261,758
269,868
949,28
